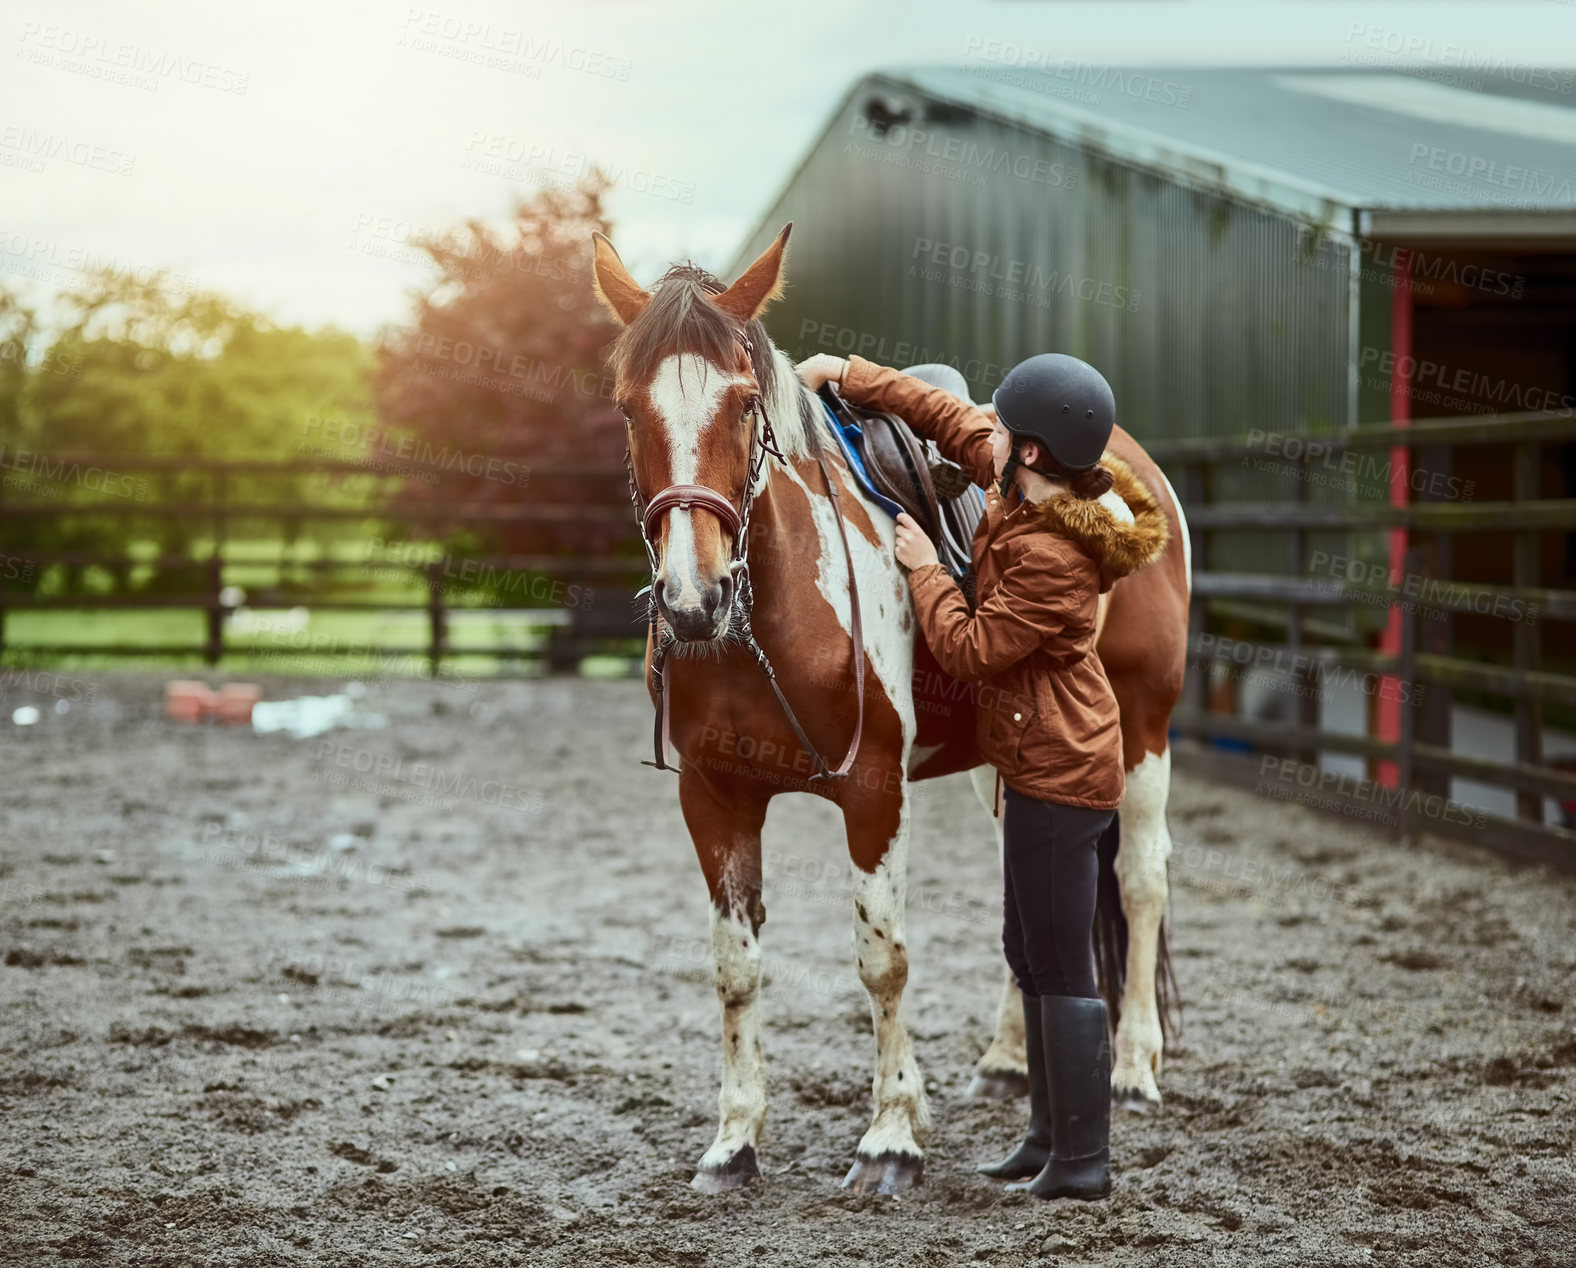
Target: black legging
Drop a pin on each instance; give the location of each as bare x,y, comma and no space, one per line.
1051,865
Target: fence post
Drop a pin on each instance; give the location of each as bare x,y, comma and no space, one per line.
213,649
1435,636
1529,719
1305,712
437,619
1196,684
1406,679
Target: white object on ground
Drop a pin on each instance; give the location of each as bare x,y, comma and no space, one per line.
307,716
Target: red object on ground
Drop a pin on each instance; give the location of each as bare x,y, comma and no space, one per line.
190,701
187,701
236,700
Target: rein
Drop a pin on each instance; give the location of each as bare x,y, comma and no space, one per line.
737,522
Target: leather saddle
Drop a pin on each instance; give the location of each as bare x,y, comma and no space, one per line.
908,470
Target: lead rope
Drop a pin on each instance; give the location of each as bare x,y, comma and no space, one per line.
744,599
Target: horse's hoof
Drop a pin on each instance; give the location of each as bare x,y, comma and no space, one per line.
1134,1101
885,1173
999,1085
737,1172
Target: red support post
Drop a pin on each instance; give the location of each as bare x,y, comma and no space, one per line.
1387,708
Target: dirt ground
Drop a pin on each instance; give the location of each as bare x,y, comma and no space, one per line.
439,994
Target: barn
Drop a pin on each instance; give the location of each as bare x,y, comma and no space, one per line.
1223,244
1268,265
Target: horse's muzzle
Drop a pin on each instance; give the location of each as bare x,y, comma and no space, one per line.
704,617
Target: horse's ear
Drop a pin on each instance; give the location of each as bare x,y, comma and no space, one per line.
619,293
762,283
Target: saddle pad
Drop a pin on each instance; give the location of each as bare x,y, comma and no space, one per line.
847,445
958,516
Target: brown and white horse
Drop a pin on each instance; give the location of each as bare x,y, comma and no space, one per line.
696,377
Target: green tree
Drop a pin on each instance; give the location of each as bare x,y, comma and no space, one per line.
142,367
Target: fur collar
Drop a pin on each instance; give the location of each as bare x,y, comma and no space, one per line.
1121,543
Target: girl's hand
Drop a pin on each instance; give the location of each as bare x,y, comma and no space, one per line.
823,367
913,549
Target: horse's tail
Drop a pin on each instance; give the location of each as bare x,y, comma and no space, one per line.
1110,945
1110,924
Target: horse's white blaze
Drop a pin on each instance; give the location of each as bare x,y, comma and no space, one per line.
679,561
1141,874
684,393
741,1102
1187,540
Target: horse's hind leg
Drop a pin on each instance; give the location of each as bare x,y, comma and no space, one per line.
889,1157
1003,1070
727,839
1141,874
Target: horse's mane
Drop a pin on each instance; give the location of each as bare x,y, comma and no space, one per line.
681,318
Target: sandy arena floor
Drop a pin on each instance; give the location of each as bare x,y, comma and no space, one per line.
263,1009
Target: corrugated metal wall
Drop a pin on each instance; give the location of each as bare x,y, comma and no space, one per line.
971,240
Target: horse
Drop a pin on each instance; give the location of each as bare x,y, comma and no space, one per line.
780,628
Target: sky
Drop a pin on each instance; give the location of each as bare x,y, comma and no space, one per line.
285,153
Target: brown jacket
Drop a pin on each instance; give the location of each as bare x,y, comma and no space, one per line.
1046,717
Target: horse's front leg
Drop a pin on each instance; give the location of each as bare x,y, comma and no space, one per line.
889,1157
727,836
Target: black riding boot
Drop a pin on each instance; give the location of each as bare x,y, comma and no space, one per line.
1029,1158
1078,1067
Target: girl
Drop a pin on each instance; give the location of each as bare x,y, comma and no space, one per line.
1054,537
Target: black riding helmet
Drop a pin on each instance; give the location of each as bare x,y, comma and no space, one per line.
1061,403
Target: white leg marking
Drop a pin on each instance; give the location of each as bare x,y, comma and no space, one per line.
902,1111
1141,873
741,1103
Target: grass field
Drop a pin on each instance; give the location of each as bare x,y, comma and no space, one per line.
491,632
332,644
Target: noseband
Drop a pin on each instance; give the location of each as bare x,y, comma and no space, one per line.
685,496
737,522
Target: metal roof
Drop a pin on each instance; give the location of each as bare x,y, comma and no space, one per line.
1462,154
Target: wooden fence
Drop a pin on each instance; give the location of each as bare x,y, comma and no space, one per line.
608,624
1412,767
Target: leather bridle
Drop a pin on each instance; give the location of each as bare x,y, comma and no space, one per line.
737,522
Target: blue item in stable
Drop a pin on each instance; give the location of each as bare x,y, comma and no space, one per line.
845,437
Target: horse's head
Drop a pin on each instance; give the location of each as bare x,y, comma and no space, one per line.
690,370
